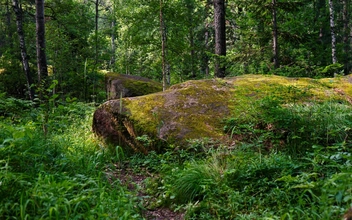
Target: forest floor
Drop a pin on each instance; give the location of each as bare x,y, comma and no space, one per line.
135,183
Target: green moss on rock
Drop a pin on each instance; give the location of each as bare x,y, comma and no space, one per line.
129,85
196,109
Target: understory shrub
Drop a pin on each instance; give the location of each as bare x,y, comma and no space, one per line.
60,174
298,126
245,184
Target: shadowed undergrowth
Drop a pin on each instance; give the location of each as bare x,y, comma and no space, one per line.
60,175
284,160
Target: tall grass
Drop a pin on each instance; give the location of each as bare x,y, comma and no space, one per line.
60,174
297,127
305,174
245,184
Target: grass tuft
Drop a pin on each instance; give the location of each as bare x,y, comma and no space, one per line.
59,174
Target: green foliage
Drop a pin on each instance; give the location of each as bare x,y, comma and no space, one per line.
60,176
63,175
244,184
288,161
12,78
12,107
298,126
197,178
332,69
139,45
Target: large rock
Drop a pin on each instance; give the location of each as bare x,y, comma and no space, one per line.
121,85
196,109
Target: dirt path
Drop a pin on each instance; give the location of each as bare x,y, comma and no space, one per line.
135,183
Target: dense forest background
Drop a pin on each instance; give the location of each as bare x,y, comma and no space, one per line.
286,149
84,38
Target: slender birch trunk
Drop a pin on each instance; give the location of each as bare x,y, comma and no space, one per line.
332,30
18,12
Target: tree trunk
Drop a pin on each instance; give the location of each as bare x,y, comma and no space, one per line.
350,39
163,47
18,12
8,40
113,43
275,40
332,30
191,39
205,60
346,31
40,31
220,37
96,45
96,32
205,56
190,12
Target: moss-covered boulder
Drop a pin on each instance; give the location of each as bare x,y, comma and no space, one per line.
118,85
196,109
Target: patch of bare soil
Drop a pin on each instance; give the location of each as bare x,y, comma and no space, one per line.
163,213
134,182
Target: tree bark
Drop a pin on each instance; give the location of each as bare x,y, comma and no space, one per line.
40,32
275,38
205,56
18,12
96,32
190,12
8,40
332,30
205,60
113,38
163,48
220,37
346,32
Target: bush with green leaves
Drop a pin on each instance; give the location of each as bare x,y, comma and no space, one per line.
12,107
298,126
245,184
60,175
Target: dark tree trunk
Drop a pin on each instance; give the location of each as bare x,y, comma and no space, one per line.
275,38
220,37
205,56
96,56
18,12
40,31
8,40
113,43
163,48
96,32
190,12
205,60
191,39
346,32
